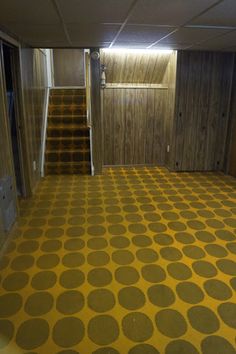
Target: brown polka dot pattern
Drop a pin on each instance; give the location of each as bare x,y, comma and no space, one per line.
137,261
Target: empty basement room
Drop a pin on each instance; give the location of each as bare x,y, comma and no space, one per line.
118,177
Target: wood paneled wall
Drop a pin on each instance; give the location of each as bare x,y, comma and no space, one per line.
68,67
6,157
34,84
202,110
134,126
32,95
123,67
136,121
6,162
231,151
170,79
97,136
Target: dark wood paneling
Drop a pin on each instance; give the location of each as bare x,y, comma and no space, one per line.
170,79
150,117
231,158
135,68
118,118
134,126
201,112
131,121
97,137
159,134
6,161
68,67
6,154
108,125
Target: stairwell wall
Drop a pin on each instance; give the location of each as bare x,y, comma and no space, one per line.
34,85
31,82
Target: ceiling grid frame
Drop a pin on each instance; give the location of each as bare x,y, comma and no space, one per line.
112,23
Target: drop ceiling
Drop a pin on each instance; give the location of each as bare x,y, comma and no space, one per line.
164,24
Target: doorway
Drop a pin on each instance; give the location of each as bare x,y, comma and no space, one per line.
9,68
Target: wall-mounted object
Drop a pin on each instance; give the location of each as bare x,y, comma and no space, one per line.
7,203
95,55
103,76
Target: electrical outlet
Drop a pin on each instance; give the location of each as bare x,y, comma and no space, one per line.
168,148
34,166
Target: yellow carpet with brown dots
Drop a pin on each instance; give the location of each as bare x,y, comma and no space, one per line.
136,261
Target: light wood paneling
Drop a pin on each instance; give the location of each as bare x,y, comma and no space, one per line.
31,84
34,83
68,67
134,126
135,68
138,114
202,110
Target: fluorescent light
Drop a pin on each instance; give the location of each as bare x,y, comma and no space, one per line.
137,50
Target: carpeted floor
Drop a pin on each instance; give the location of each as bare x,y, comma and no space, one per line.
138,261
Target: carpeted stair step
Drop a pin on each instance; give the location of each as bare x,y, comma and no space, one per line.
68,143
64,155
69,110
67,99
67,119
68,134
55,168
68,130
68,92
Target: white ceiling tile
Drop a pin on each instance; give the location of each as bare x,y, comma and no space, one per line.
133,33
86,44
91,33
212,48
230,49
223,14
39,33
173,46
97,11
131,45
28,11
167,12
227,40
97,22
220,43
193,35
55,44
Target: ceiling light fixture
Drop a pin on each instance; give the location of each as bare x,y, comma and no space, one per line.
137,50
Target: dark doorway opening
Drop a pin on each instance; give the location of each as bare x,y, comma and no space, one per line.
11,94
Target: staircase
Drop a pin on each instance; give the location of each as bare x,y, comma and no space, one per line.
68,135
